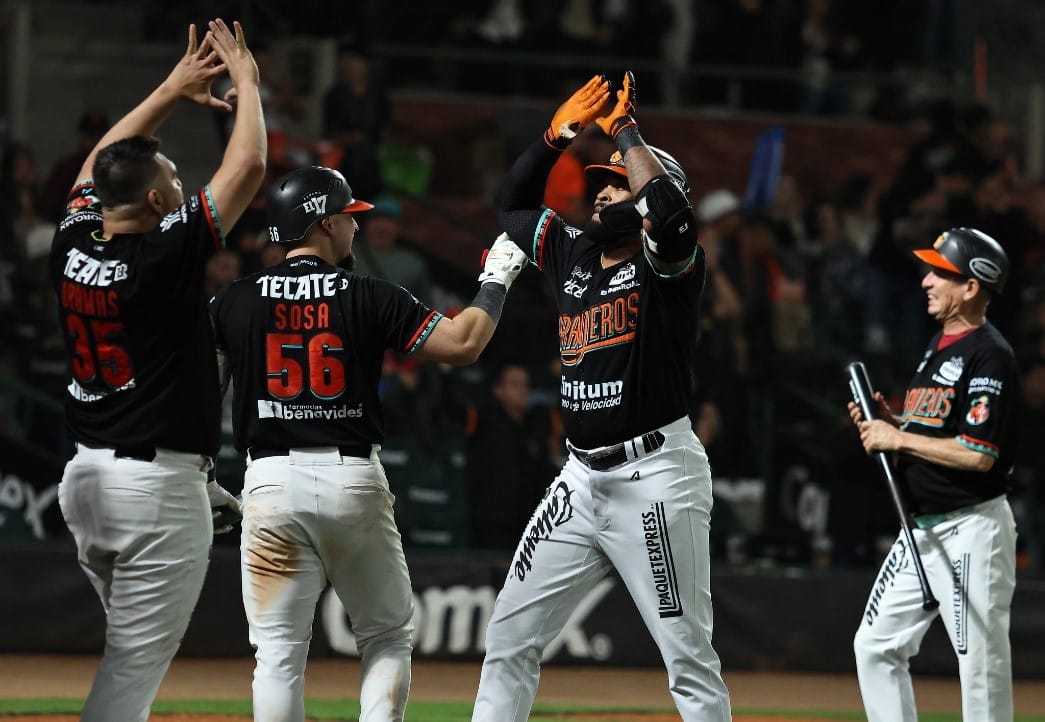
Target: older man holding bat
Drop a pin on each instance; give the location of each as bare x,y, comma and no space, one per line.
953,455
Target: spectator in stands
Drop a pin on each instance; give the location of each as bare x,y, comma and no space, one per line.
912,209
251,235
837,275
508,464
355,117
283,107
774,293
381,253
720,362
826,46
89,130
1028,473
272,254
787,213
22,224
224,267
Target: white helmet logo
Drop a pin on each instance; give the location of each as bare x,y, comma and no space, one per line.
985,269
317,205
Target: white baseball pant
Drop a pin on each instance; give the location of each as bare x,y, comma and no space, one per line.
970,562
310,517
648,519
143,533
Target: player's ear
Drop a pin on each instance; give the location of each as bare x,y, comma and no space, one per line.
154,201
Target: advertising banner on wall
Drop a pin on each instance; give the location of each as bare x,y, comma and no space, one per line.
782,619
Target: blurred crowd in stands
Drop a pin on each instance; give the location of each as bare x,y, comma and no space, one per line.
798,285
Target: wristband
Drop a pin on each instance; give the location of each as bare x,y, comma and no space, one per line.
490,298
629,138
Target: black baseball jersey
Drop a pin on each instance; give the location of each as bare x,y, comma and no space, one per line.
625,335
306,341
139,342
965,391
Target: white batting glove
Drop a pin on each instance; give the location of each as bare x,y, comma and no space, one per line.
502,262
225,508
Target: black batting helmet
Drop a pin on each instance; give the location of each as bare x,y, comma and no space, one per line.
616,167
303,197
971,254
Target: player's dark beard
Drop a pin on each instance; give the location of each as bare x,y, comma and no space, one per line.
604,237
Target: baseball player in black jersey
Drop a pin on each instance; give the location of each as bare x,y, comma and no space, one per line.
954,453
305,341
142,404
635,493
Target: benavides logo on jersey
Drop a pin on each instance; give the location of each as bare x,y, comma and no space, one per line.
268,409
602,326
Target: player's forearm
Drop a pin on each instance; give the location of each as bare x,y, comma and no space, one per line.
642,165
459,340
523,185
248,145
944,452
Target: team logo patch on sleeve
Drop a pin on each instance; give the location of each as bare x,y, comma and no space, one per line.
979,410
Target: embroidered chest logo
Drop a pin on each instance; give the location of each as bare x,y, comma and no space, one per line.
604,325
928,406
573,286
622,280
950,371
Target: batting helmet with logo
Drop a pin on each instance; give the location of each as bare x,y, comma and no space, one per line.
616,167
971,254
303,197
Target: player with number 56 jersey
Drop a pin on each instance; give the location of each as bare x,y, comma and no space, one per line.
304,342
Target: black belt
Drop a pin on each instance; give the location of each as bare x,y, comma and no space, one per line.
611,456
360,450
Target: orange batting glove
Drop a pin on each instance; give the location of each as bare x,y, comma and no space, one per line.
619,116
577,112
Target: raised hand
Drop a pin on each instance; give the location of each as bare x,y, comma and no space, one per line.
577,112
502,262
233,51
192,77
619,116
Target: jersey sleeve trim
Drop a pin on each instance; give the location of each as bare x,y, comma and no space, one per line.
984,447
418,339
540,235
681,273
213,219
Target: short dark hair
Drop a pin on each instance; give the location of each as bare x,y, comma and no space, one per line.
123,170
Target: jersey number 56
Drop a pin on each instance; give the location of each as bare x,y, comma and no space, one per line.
320,358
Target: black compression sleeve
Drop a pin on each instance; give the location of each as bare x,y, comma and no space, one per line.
523,186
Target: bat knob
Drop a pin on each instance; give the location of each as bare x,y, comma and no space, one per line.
930,604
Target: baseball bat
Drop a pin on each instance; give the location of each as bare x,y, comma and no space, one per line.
860,388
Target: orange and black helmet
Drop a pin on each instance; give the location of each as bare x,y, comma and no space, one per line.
616,167
304,197
969,253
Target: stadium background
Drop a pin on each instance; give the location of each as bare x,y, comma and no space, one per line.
817,144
